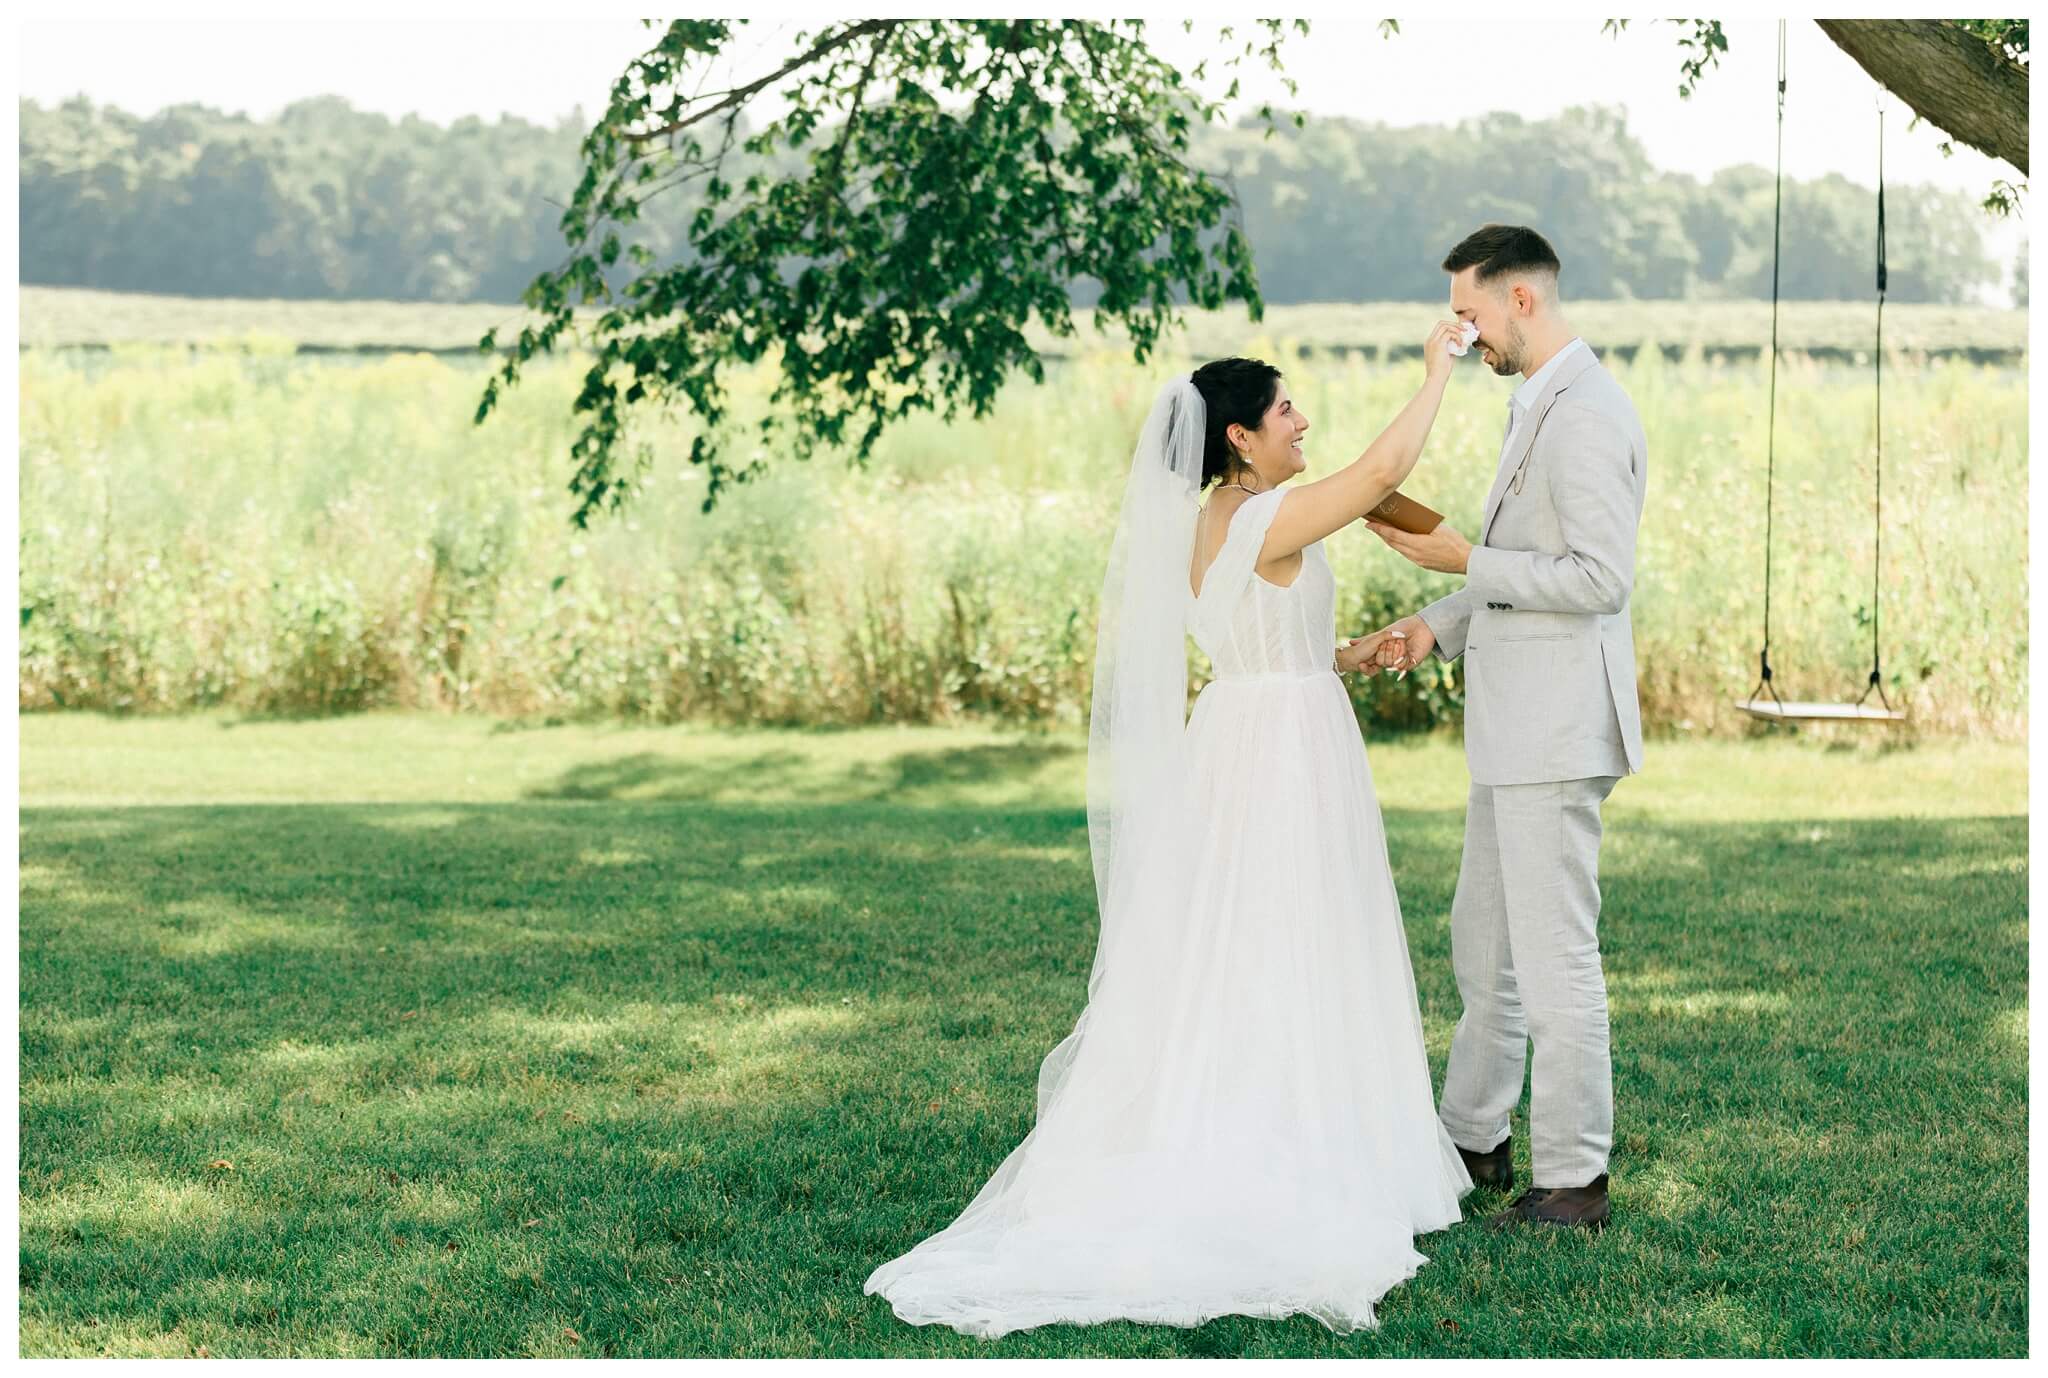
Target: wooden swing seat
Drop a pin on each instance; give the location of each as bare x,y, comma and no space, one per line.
1770,710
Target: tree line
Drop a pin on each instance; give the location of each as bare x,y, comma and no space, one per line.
326,201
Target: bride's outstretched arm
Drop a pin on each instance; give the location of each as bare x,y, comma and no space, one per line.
1314,510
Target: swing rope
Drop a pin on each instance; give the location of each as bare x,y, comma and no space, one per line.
1877,356
1778,708
1771,427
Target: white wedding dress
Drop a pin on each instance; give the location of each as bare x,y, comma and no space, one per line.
1242,1121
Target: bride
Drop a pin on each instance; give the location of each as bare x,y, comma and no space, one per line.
1241,1121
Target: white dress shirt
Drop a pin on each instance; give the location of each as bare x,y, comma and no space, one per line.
1524,397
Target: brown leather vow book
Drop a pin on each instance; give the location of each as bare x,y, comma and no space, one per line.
1406,514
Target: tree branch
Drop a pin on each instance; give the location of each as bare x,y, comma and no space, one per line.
1949,76
836,159
740,95
1135,131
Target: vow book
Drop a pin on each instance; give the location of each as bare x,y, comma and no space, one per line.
1406,514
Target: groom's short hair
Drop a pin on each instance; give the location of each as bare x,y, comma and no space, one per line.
1498,250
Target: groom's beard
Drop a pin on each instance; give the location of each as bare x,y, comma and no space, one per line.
1509,360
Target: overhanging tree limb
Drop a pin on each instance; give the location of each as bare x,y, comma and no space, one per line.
740,95
896,269
1944,73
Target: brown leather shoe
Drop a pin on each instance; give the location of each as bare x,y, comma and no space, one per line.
1494,1168
1585,1207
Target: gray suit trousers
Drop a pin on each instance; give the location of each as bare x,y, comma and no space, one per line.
1527,957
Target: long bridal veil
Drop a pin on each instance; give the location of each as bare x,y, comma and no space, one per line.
1137,751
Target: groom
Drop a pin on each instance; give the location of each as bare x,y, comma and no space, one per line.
1551,723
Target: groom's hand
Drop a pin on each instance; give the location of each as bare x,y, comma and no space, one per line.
1415,638
1442,550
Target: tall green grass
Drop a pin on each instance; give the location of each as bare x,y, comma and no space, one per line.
258,530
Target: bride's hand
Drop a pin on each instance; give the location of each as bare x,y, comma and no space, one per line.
1437,359
1357,656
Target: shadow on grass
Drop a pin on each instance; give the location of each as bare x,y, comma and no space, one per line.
675,1075
655,775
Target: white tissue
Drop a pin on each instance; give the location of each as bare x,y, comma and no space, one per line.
1462,341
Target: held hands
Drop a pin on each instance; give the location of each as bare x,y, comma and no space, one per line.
1368,655
1442,550
1400,648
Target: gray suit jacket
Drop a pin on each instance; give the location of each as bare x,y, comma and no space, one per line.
1550,661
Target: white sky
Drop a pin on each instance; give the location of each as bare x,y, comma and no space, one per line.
541,66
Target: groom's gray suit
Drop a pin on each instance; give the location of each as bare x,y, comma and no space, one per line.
1551,722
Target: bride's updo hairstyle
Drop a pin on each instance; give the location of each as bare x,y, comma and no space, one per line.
1235,392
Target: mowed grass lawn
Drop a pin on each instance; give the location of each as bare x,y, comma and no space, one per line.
433,1036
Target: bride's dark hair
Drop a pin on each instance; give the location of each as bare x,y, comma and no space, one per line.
1235,392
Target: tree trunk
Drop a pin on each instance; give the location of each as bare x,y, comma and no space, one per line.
1953,78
